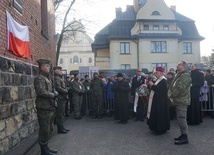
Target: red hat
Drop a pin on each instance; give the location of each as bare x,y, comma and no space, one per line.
160,69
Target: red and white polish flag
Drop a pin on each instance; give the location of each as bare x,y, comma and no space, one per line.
17,37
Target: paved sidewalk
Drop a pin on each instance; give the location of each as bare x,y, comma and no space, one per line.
107,137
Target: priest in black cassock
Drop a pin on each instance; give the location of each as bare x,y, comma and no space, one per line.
158,109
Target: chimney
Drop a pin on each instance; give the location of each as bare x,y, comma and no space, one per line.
128,6
135,4
173,7
118,11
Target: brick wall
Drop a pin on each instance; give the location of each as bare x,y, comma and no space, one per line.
40,46
18,118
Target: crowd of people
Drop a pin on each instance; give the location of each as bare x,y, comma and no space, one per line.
155,96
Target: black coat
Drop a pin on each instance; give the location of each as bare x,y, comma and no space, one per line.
159,116
136,84
121,97
197,82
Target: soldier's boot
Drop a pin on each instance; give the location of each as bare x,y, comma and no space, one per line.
183,140
60,129
44,150
65,128
51,150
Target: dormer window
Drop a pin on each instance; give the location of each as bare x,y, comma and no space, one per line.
155,13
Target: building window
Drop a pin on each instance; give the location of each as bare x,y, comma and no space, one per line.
44,18
158,47
166,27
125,66
155,27
164,65
75,59
155,13
187,46
71,60
124,48
89,60
145,27
80,60
18,5
61,60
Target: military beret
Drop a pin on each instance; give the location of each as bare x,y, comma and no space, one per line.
43,61
57,68
95,73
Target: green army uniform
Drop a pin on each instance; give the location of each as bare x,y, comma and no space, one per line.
77,89
45,107
60,87
97,89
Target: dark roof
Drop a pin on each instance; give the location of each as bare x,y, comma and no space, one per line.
120,28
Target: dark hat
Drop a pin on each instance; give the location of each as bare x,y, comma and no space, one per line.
75,74
160,69
95,73
57,68
86,76
119,75
149,72
170,73
43,61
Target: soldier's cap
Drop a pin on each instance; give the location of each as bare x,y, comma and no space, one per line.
95,73
43,61
86,76
57,68
75,74
119,75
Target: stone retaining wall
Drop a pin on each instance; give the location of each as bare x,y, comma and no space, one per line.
18,118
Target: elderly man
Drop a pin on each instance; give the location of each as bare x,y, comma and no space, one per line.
45,105
179,93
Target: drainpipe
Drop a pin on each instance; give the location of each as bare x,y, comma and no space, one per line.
138,59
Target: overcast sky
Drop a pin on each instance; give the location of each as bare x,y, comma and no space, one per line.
102,12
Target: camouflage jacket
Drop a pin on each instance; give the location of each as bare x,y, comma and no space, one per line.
179,89
87,85
97,86
77,88
60,87
43,89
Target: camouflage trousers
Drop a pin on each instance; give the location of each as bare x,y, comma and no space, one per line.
97,101
59,114
77,102
46,122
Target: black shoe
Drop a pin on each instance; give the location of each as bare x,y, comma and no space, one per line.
94,117
65,128
182,140
78,118
120,122
100,116
178,138
45,150
52,151
60,129
136,119
124,122
142,120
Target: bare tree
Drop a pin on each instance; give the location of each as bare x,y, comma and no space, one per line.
68,27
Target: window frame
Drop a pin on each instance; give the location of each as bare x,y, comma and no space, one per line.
145,27
124,47
156,27
166,26
126,66
157,47
44,18
187,47
18,5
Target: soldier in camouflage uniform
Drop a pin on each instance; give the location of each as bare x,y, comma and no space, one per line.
45,105
60,87
78,90
97,89
86,96
179,93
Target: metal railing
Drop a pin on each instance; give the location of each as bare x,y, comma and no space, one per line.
207,98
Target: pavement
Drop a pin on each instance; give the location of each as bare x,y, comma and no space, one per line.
107,137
